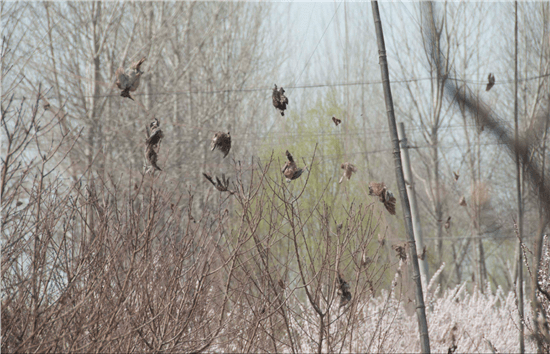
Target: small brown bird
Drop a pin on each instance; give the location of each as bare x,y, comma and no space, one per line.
129,80
447,223
156,133
456,175
152,144
384,195
462,201
343,291
491,83
336,121
400,251
348,170
222,186
290,171
279,99
221,141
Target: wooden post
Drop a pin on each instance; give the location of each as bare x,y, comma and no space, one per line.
518,187
409,182
420,307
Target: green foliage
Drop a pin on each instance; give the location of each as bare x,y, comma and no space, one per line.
300,134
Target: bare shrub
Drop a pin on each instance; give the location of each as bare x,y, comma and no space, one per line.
120,263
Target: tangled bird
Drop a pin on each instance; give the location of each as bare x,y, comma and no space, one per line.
152,144
491,83
290,171
348,170
384,195
401,251
280,100
129,80
222,186
343,291
221,141
156,133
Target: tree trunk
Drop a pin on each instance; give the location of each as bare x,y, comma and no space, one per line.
420,307
518,186
415,213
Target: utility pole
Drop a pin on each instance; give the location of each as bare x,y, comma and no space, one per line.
518,186
411,192
420,307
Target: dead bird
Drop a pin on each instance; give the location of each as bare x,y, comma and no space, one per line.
156,134
279,99
336,121
491,82
343,291
384,195
128,80
221,141
348,170
152,144
401,251
222,186
290,170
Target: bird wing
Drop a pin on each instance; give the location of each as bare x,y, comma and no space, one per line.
275,98
207,176
135,81
390,203
152,157
297,172
226,144
219,185
284,99
225,181
137,65
121,79
155,137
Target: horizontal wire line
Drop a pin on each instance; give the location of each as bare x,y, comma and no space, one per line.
357,83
